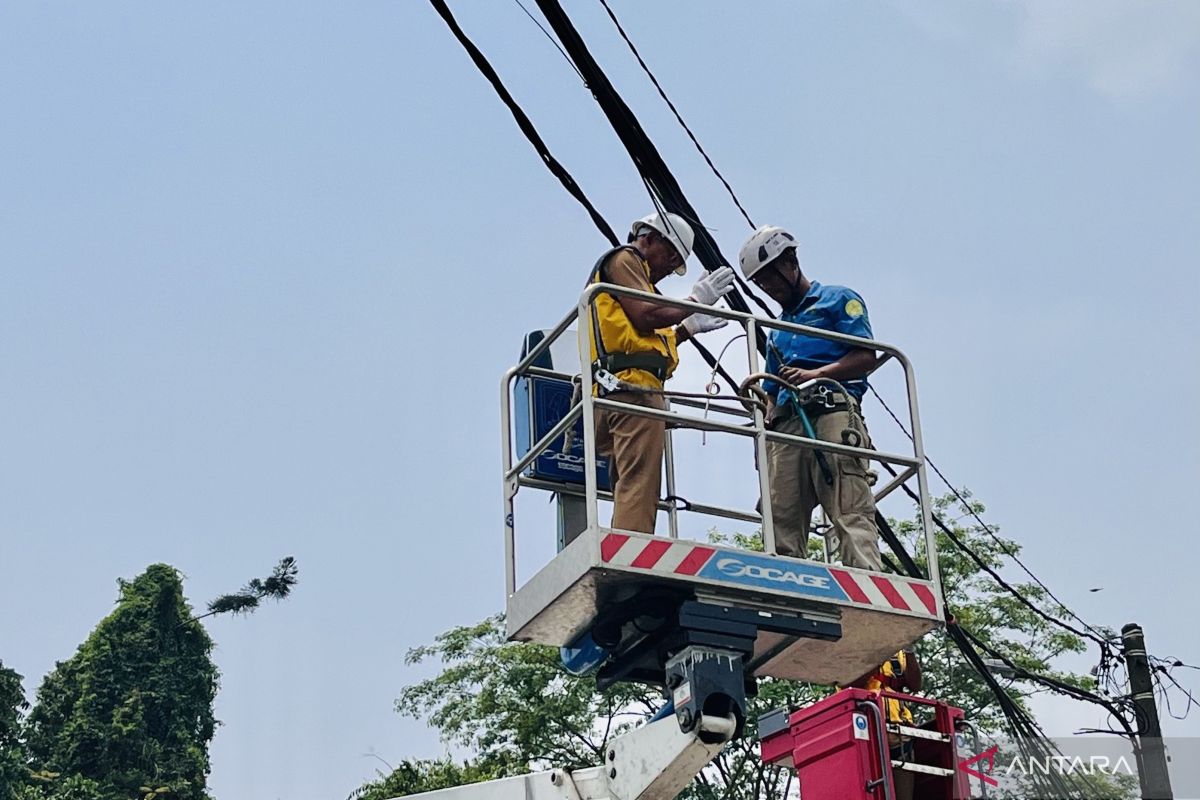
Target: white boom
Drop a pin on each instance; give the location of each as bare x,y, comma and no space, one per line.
654,762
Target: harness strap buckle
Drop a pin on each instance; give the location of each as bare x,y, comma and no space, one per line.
606,380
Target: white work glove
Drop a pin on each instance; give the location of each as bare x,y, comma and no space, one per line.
713,285
703,323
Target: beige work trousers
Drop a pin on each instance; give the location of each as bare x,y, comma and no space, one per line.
635,446
797,485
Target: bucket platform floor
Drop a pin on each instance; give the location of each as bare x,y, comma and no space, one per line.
880,613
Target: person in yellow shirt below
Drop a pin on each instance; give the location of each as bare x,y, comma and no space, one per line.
636,341
900,673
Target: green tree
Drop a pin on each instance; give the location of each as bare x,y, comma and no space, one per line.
131,713
516,709
13,757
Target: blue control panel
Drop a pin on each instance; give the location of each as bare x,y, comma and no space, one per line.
540,404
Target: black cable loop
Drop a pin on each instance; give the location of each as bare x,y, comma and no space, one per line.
680,503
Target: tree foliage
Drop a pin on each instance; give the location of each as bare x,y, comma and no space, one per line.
133,708
247,599
516,709
13,756
130,715
514,706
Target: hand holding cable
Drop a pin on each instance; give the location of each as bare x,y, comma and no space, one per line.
797,375
712,286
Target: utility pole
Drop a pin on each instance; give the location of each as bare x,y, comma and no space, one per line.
1155,780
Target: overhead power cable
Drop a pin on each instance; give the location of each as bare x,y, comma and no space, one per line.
650,164
1102,638
662,183
1162,669
983,565
549,36
1028,736
1093,633
662,93
559,171
523,121
745,287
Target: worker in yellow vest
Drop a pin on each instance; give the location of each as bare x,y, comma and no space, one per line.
634,350
900,673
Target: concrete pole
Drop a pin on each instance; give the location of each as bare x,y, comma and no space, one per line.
1155,780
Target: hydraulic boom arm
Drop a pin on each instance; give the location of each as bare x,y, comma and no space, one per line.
653,762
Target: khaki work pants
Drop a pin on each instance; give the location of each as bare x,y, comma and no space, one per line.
797,486
635,446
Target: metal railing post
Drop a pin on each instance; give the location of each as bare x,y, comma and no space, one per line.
931,557
589,413
509,488
760,446
669,468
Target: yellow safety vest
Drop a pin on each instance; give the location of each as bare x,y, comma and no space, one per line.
615,342
896,710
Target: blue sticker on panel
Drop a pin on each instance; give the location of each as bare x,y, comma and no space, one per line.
766,572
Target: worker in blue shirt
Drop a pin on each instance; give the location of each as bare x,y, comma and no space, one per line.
801,477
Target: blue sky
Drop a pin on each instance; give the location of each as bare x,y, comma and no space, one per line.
263,265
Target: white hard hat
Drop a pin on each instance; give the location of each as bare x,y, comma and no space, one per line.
675,229
764,246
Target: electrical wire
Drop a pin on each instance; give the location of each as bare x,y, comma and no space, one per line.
1103,638
553,41
1160,672
657,175
565,31
555,167
1097,635
983,565
745,287
1105,671
523,121
1030,739
662,93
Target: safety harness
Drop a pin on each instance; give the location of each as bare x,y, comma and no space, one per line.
614,363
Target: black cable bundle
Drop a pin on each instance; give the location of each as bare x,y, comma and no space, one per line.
654,171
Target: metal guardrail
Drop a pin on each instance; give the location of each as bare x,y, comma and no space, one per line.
752,424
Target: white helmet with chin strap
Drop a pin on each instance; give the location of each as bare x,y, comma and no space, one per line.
764,246
674,229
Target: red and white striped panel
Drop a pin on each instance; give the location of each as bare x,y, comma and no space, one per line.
886,591
676,556
683,557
